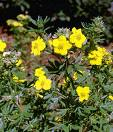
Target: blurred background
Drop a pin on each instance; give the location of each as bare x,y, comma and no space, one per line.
62,13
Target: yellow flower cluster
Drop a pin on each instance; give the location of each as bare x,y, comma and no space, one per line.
22,17
83,93
96,57
77,38
37,46
43,82
61,45
14,23
2,45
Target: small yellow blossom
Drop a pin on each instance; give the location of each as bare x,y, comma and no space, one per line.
43,83
39,72
83,93
14,23
16,79
75,76
2,45
77,37
111,97
17,24
38,45
19,62
96,57
22,17
61,45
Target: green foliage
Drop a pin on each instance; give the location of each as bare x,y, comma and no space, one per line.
96,30
22,4
39,24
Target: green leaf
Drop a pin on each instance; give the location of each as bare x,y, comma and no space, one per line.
65,128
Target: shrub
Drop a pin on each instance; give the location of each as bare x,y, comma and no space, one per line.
62,83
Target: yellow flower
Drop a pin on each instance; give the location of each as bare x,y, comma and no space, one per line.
96,57
77,37
14,23
75,76
111,97
83,93
17,24
9,22
38,45
43,83
16,79
19,62
61,45
39,72
22,17
2,45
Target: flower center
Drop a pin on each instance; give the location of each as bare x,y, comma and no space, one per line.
83,95
60,46
78,37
